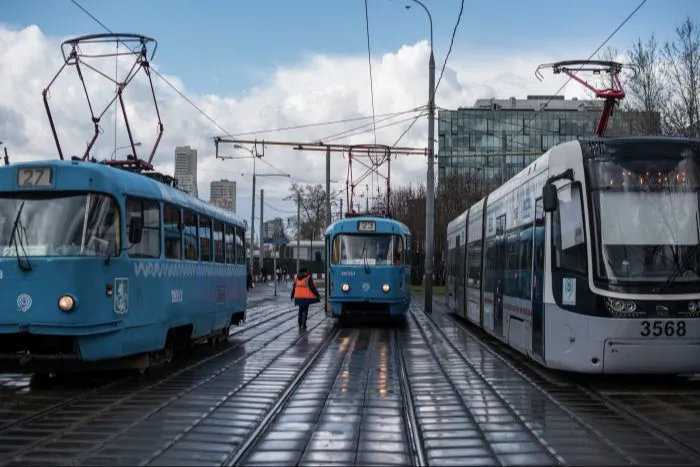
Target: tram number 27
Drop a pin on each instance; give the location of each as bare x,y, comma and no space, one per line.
663,328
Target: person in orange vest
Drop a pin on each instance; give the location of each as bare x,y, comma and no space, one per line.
304,294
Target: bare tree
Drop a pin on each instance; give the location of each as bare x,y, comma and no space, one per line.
682,71
311,200
646,91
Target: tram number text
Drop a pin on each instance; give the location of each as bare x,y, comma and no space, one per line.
663,328
176,295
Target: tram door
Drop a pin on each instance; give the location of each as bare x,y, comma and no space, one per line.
538,283
329,257
500,275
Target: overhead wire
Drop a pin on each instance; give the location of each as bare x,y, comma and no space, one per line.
369,61
192,103
442,71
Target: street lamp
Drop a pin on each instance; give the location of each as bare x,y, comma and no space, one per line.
114,153
252,215
430,198
252,208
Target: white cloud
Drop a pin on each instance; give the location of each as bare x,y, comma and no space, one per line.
322,88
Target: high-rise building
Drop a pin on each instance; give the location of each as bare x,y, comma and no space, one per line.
186,169
223,194
497,138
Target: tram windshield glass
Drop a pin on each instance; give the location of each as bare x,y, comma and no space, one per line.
53,224
376,249
647,220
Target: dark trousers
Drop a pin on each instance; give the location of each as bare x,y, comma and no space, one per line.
303,312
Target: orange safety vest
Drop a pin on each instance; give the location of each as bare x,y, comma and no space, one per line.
302,290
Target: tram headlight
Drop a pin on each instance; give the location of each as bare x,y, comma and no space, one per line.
66,303
620,306
345,287
386,288
692,307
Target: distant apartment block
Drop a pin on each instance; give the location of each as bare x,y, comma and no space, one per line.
186,169
223,194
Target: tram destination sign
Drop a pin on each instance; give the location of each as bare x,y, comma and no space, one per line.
34,176
366,226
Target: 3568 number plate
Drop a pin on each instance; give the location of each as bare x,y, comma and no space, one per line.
661,328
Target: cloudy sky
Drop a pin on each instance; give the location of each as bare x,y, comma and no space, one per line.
270,64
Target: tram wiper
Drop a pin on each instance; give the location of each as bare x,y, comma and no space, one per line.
364,256
16,238
690,254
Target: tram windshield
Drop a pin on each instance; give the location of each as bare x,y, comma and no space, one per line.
647,218
377,249
52,224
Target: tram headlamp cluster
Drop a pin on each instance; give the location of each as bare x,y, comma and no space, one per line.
386,288
66,303
620,306
693,307
345,287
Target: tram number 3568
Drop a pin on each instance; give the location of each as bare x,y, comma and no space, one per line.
663,328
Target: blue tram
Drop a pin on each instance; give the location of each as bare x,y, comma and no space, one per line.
105,268
368,267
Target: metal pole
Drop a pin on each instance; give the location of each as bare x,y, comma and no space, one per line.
430,198
262,193
341,208
328,186
298,230
274,262
252,224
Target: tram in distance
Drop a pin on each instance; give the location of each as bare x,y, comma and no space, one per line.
103,268
588,260
368,269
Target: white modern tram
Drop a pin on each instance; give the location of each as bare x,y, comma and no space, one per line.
588,260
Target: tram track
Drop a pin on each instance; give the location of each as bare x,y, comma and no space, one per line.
34,397
463,385
350,409
634,437
418,453
101,405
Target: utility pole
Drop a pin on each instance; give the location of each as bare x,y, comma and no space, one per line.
252,225
298,230
262,194
328,187
430,198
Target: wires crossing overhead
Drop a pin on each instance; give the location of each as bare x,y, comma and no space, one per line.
369,61
442,71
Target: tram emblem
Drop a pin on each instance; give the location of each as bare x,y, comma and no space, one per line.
365,287
24,302
121,295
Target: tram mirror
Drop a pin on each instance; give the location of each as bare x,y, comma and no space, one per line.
135,230
550,200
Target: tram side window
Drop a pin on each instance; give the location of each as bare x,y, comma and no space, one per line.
149,211
240,245
230,245
398,250
205,239
474,260
172,229
219,241
191,235
568,235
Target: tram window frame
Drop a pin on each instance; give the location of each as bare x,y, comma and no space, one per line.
145,248
569,260
190,220
230,244
205,239
168,211
218,241
475,263
240,245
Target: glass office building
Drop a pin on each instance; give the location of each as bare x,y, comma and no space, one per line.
497,138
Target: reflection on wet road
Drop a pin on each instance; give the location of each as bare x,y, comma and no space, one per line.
427,391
